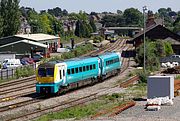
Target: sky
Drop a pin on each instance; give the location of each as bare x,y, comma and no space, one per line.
100,5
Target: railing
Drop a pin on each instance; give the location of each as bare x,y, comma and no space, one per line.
11,72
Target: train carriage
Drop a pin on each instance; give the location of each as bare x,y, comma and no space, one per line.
55,76
111,63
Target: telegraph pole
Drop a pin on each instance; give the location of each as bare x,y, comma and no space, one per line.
144,31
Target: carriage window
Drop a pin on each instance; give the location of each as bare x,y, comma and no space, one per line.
87,68
90,67
63,72
60,74
72,70
80,69
84,68
76,70
68,71
94,66
42,72
50,72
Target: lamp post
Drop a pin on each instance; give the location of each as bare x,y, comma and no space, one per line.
144,31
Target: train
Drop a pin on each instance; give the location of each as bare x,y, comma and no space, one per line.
53,77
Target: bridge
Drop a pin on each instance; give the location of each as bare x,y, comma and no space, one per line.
123,28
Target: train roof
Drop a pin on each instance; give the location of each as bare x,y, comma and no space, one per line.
49,64
108,55
77,61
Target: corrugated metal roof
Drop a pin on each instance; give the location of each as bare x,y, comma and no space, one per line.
25,41
37,37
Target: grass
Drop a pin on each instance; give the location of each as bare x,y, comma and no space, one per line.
138,90
178,76
6,80
103,103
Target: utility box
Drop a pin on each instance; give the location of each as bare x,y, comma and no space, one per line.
160,86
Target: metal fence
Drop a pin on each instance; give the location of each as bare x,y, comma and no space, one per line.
11,72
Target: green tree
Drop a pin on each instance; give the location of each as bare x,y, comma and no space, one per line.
154,51
93,25
45,24
11,16
133,16
1,26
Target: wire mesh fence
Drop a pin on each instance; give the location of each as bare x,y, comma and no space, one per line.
12,72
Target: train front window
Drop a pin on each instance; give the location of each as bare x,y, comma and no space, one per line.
50,72
46,72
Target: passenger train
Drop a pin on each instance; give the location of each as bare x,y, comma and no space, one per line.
56,76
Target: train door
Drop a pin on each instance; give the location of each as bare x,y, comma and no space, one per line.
62,74
99,67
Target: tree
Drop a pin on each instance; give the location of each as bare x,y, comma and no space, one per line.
133,16
1,26
94,29
154,51
11,16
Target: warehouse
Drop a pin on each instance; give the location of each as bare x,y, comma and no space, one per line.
24,44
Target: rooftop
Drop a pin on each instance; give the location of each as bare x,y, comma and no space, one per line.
37,37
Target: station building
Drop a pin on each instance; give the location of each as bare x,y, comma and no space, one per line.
27,44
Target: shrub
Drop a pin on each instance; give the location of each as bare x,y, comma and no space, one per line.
24,71
143,76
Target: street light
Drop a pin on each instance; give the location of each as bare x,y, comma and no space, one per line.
144,31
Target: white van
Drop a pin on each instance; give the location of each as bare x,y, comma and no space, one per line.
10,63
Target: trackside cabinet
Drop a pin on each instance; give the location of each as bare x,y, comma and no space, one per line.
160,86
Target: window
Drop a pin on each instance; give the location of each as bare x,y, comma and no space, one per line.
84,68
87,68
94,66
50,72
90,67
63,72
68,71
76,69
72,70
42,72
60,75
80,69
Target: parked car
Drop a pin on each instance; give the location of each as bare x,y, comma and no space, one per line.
37,57
62,50
28,60
10,63
171,59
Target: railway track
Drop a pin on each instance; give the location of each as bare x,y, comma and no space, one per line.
20,104
55,108
15,96
119,45
19,88
20,81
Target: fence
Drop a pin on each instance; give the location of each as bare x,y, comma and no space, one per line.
11,72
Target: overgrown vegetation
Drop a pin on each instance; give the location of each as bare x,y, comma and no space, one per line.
78,112
105,102
78,51
97,39
154,51
24,71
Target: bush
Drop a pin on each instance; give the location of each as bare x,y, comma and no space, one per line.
78,51
97,39
143,76
24,71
